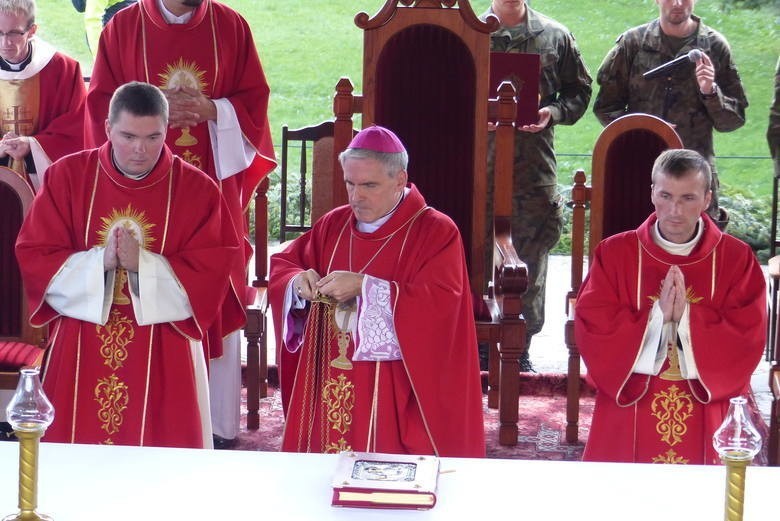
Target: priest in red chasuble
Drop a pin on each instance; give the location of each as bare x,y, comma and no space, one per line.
42,96
671,323
372,310
121,253
202,55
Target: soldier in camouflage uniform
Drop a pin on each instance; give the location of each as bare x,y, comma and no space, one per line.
564,90
695,98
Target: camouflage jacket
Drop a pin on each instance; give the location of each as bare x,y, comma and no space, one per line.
564,87
675,97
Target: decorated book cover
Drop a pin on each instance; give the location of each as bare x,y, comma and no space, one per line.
376,480
522,69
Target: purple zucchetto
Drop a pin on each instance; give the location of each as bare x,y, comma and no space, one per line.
378,139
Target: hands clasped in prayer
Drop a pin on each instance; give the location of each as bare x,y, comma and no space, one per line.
339,285
15,146
188,107
122,250
673,295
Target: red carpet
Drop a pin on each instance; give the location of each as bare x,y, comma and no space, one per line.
542,411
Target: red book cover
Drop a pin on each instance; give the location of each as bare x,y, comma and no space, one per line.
375,480
523,70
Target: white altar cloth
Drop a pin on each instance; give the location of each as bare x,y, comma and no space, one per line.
101,483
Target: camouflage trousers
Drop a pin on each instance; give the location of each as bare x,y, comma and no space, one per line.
537,222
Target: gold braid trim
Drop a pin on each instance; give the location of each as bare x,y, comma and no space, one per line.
318,332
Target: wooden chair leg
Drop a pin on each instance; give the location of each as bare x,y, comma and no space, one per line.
511,349
493,375
773,444
572,386
256,376
773,314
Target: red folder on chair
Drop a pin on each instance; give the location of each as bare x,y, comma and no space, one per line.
523,70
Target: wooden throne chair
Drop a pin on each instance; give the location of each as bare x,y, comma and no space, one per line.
617,200
425,76
20,344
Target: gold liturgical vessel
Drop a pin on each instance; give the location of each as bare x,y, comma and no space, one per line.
737,441
30,413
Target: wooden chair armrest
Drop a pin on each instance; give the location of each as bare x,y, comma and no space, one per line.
511,273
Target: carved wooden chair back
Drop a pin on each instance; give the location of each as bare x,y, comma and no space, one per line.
20,343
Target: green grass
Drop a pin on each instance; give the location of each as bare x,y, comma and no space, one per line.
306,46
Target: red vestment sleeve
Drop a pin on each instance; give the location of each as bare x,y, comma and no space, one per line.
244,85
62,107
728,338
609,329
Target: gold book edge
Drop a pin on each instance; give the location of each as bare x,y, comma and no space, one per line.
391,498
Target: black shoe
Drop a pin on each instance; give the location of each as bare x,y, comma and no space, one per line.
525,363
221,443
7,432
483,356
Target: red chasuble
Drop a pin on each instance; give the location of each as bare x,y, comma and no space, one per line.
120,382
213,52
665,418
430,402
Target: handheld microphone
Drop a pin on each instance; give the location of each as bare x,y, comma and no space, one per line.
692,55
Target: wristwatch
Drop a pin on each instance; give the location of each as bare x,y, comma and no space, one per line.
713,92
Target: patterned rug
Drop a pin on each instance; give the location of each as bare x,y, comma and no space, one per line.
541,429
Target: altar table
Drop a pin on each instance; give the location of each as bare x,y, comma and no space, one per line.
102,483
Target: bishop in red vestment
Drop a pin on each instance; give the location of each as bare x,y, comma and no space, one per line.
664,379
203,56
42,96
124,362
372,309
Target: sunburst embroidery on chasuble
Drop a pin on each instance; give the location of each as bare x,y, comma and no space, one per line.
184,73
690,296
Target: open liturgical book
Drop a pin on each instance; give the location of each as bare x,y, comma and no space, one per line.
375,480
523,70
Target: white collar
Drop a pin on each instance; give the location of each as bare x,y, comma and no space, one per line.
172,18
42,53
674,248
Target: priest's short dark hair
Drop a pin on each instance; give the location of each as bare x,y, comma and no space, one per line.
679,162
139,99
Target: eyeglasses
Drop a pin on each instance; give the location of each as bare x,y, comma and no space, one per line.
14,35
